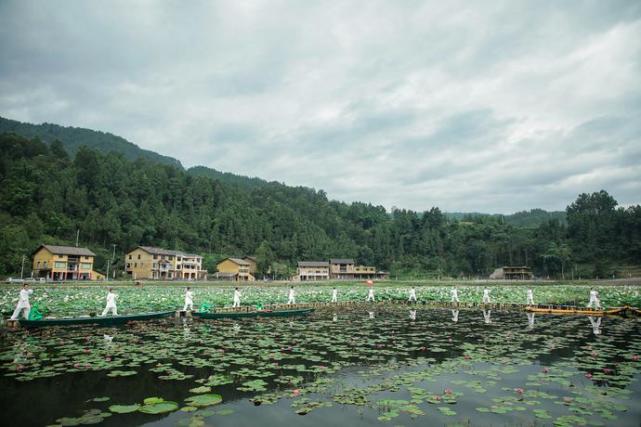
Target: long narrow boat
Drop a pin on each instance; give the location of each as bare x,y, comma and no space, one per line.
257,313
576,310
95,320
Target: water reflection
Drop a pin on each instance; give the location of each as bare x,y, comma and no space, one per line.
487,316
596,325
412,314
455,316
371,314
530,320
334,317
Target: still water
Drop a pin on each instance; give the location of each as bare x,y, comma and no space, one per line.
383,366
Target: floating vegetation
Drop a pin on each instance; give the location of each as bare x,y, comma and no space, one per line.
390,369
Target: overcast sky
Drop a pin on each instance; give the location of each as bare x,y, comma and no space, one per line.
490,106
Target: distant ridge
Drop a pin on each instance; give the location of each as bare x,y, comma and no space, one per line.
73,138
227,177
526,219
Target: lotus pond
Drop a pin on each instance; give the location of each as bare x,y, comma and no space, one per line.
363,365
61,300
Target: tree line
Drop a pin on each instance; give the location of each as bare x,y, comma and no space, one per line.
46,196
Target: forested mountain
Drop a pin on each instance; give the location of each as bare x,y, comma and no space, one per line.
226,177
528,219
47,195
73,138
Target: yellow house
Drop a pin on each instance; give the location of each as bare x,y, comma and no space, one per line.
252,263
64,263
148,262
234,269
312,270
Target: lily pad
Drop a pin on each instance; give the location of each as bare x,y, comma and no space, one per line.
204,400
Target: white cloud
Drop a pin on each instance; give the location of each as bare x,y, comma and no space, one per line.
490,106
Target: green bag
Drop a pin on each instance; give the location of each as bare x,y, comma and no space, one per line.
206,307
34,313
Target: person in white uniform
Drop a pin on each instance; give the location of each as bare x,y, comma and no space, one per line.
594,299
530,297
334,295
23,306
237,296
111,303
486,296
370,295
412,296
454,293
189,300
291,296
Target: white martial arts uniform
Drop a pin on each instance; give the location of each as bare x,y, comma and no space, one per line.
111,304
412,295
370,295
486,296
334,295
594,300
23,304
530,297
291,297
236,298
454,293
189,301
454,316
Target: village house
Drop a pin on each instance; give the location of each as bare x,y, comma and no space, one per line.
64,263
147,262
236,269
312,270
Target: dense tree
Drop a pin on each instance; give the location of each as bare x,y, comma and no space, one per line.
45,197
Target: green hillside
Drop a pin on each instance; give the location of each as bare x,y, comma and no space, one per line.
73,138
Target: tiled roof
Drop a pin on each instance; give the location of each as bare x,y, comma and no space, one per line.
313,264
66,250
237,261
160,251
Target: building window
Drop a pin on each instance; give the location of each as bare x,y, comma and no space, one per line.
138,256
135,264
129,256
155,256
59,264
85,266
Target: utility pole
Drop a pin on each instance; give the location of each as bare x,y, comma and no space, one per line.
111,261
22,268
77,237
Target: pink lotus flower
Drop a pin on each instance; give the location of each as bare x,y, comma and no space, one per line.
76,365
448,391
296,392
635,357
546,370
519,390
595,354
108,359
588,376
466,357
607,370
567,400
86,350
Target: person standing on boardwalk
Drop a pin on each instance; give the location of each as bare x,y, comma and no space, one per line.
291,296
370,295
23,303
594,299
189,300
111,303
454,293
237,296
486,296
530,297
334,295
412,295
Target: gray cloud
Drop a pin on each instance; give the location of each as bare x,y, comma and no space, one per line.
489,106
